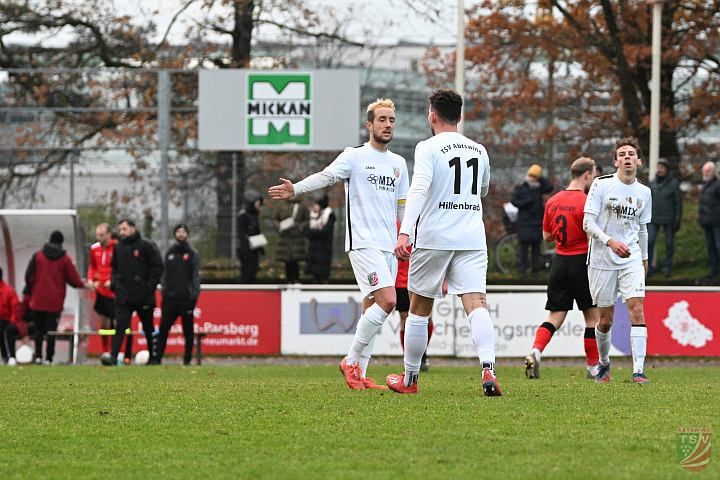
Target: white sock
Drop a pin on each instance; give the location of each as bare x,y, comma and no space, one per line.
638,341
365,356
603,343
369,324
416,339
537,352
483,335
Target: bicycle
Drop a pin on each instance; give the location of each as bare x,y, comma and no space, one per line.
506,248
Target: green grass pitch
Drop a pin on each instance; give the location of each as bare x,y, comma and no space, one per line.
297,422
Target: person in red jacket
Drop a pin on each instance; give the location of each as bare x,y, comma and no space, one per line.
12,325
49,270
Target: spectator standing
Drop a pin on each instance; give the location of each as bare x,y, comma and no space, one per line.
319,232
709,217
47,274
12,325
180,291
528,198
136,270
666,214
249,250
291,218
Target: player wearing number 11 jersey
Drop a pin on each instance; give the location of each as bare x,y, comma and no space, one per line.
444,215
563,224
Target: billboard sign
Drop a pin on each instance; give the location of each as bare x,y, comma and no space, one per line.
278,110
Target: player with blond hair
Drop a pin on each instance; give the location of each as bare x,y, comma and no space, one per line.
376,185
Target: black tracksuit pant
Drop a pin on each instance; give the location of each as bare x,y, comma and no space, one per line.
123,313
171,310
45,322
8,335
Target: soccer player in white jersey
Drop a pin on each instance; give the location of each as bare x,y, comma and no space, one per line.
444,217
376,185
617,211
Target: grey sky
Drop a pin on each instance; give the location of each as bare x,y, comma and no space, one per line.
406,24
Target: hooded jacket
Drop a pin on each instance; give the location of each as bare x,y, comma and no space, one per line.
136,270
46,277
181,273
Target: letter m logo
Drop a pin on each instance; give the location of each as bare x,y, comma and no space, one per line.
279,108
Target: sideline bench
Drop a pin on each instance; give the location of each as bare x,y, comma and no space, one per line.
68,336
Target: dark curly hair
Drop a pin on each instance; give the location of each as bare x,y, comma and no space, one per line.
447,104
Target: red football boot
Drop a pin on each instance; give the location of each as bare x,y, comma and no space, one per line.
352,375
397,384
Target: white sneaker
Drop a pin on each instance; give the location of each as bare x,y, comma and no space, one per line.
532,365
38,361
12,362
47,362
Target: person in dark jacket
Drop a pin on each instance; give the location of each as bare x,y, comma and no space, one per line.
180,291
319,233
709,217
248,225
528,198
136,270
666,214
47,274
291,218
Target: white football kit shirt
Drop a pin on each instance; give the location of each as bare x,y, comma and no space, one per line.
375,184
620,210
444,211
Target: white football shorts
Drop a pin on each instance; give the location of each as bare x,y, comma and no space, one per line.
373,269
606,285
465,271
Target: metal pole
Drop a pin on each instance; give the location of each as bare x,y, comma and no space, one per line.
460,56
71,160
163,115
655,88
233,208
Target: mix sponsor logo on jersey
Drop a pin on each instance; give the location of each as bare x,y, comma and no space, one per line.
383,182
279,108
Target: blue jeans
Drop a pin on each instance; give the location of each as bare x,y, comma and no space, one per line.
653,230
712,241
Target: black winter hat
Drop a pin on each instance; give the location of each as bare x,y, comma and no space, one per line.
322,201
57,237
179,226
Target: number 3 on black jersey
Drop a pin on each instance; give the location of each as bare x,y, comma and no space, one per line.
472,163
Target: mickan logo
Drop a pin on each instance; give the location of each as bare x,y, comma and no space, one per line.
279,108
373,279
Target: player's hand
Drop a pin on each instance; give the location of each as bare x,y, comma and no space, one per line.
284,190
619,248
107,284
90,285
444,287
401,250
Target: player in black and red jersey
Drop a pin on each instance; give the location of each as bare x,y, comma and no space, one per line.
563,224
